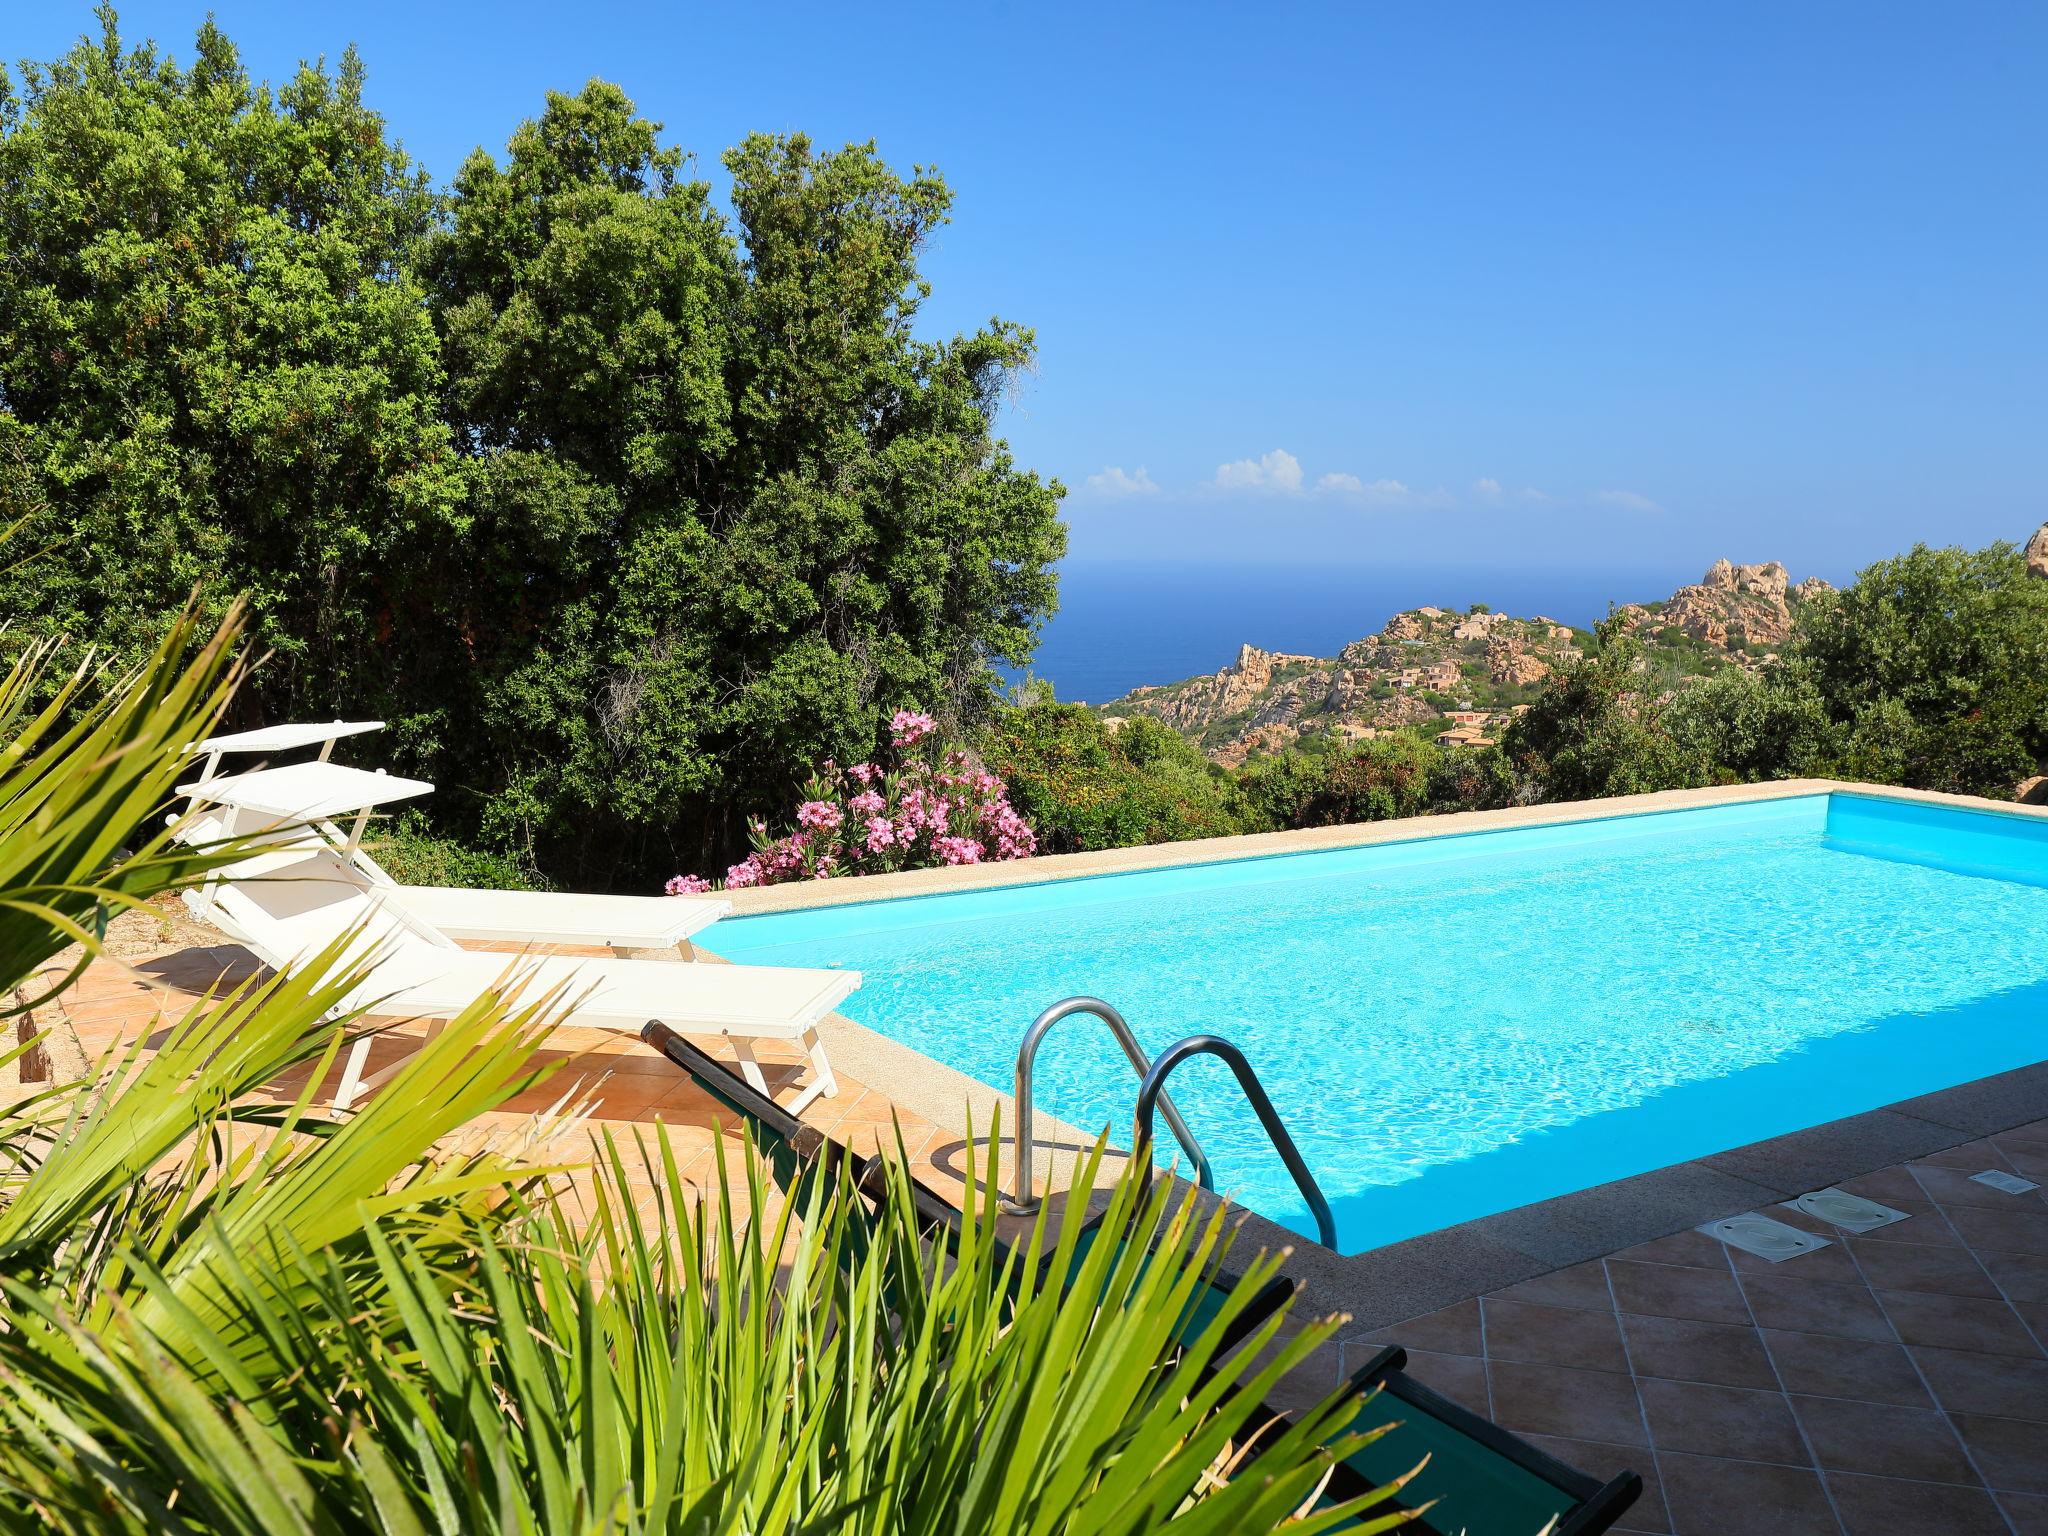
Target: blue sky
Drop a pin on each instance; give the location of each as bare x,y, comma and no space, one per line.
1576,285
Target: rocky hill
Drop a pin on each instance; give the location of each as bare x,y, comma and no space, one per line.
1476,668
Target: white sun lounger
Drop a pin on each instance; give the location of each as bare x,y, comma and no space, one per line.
291,902
321,793
278,738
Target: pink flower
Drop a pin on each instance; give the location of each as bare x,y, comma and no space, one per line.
821,815
959,850
867,803
743,874
688,885
880,834
867,773
911,726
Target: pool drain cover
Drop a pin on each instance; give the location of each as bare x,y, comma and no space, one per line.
1764,1237
1847,1210
2011,1183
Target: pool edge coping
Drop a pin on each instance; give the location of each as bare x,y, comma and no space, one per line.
1047,869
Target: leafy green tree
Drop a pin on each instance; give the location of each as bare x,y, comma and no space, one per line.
1935,663
1596,729
728,512
1750,725
212,364
622,510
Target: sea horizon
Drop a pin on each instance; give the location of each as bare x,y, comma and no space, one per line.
1124,624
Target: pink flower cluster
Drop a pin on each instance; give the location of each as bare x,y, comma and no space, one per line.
930,809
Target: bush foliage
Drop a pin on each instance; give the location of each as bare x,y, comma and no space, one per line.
624,509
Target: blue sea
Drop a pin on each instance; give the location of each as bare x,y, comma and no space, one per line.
1122,625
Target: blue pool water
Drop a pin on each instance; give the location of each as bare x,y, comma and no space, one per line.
1456,1026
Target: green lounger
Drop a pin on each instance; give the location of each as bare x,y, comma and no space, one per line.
1484,1480
793,1150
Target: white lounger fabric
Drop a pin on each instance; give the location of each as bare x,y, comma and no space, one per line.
292,902
303,793
561,917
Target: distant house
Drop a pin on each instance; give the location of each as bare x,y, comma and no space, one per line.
1464,736
1469,716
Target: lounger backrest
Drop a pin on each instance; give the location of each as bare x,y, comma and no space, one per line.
789,1145
294,900
1485,1481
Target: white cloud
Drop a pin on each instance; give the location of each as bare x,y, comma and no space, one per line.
1531,494
1115,485
1487,489
1630,501
1276,471
1385,492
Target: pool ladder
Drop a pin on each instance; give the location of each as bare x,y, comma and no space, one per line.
1152,1100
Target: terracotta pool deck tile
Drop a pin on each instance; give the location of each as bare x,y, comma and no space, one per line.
2002,1386
1455,1330
2022,1277
1718,1354
1553,1400
1868,1371
1541,1335
1693,1250
1648,1514
1986,1326
1947,1271
1731,1422
1710,1496
1954,1186
1461,1378
2015,1229
1884,1506
1886,1186
2011,1453
1784,1301
1583,1286
1664,1290
1969,1156
2027,1512
1883,1440
1928,1226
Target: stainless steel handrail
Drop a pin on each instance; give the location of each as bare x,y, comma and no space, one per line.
1153,1092
1021,1200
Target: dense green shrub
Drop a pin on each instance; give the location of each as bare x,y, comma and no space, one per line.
1934,667
623,510
1595,730
1082,783
412,854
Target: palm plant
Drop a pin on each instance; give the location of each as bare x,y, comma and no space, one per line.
221,1311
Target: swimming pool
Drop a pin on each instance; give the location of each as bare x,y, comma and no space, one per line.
1453,1026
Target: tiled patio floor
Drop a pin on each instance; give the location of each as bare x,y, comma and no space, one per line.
1894,1382
630,1087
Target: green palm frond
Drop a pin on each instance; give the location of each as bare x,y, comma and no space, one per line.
222,1311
